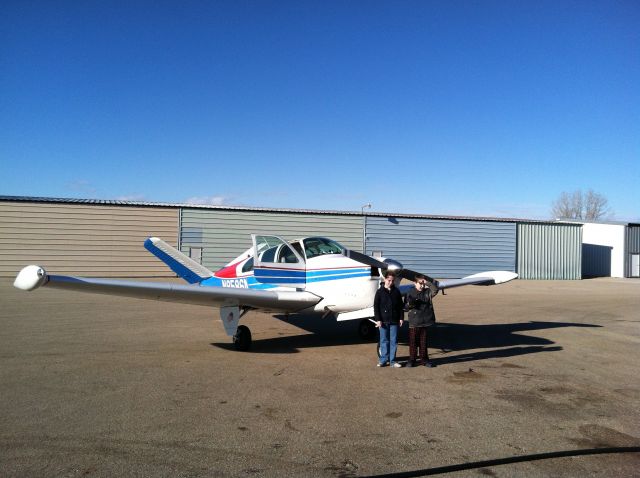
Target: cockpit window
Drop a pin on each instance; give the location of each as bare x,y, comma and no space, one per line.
269,255
286,255
317,246
248,266
298,247
273,249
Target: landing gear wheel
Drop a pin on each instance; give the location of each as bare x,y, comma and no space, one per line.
242,339
366,329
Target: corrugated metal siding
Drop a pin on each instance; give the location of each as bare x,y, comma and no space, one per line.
94,241
596,260
550,251
224,235
444,248
632,247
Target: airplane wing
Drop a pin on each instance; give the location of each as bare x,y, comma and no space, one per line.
33,277
482,278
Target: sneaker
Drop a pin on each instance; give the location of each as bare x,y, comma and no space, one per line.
429,364
382,364
396,365
410,363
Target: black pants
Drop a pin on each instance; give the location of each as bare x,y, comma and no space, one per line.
418,337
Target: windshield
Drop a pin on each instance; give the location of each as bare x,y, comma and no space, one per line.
318,246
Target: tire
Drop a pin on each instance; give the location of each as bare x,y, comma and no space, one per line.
366,329
242,338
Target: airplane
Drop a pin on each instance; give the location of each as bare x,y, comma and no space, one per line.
312,275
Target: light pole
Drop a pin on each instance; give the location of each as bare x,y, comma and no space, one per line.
364,224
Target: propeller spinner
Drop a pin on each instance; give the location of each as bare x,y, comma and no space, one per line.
387,265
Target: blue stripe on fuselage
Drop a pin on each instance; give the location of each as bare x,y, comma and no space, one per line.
291,273
338,277
248,282
251,282
333,272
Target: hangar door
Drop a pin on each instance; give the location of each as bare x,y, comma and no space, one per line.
550,251
84,239
443,248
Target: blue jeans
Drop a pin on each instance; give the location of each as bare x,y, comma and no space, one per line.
388,343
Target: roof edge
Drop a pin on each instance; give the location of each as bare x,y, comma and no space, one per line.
116,202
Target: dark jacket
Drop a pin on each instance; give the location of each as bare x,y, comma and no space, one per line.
419,304
387,305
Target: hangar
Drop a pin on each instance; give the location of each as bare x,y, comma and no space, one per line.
610,249
104,237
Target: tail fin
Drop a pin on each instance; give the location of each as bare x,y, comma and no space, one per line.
182,265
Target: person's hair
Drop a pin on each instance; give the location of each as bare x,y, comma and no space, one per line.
419,277
390,273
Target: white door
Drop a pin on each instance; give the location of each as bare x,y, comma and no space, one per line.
277,263
635,265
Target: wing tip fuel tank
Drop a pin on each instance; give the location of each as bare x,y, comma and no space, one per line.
499,277
30,278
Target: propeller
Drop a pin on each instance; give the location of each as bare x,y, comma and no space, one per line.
387,265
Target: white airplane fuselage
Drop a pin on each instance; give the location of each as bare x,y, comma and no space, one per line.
343,284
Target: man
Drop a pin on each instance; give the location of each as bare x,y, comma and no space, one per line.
388,310
419,304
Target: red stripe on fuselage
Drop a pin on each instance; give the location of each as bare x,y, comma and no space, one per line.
228,272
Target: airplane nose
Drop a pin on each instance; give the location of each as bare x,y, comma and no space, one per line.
393,266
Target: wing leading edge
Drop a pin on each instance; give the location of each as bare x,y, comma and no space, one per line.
32,277
482,278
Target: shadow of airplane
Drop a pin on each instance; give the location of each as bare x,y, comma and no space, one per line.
503,340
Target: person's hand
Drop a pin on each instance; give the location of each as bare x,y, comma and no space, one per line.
401,322
379,323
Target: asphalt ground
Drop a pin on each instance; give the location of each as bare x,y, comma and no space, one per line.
95,385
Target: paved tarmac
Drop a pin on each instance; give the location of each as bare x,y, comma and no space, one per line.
94,385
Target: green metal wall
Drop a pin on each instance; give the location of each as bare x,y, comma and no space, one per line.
549,251
225,234
632,245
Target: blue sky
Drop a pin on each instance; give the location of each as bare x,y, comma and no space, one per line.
488,108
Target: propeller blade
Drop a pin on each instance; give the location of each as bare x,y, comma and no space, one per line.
365,259
412,275
391,265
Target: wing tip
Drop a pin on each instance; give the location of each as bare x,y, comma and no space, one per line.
30,278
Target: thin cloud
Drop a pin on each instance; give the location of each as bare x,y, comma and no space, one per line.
81,186
131,197
208,200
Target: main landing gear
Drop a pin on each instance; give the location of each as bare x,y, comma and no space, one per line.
242,338
367,329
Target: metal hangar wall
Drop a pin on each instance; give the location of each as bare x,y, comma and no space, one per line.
550,251
99,239
105,238
632,243
444,248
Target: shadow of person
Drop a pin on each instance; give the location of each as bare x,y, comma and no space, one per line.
504,340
